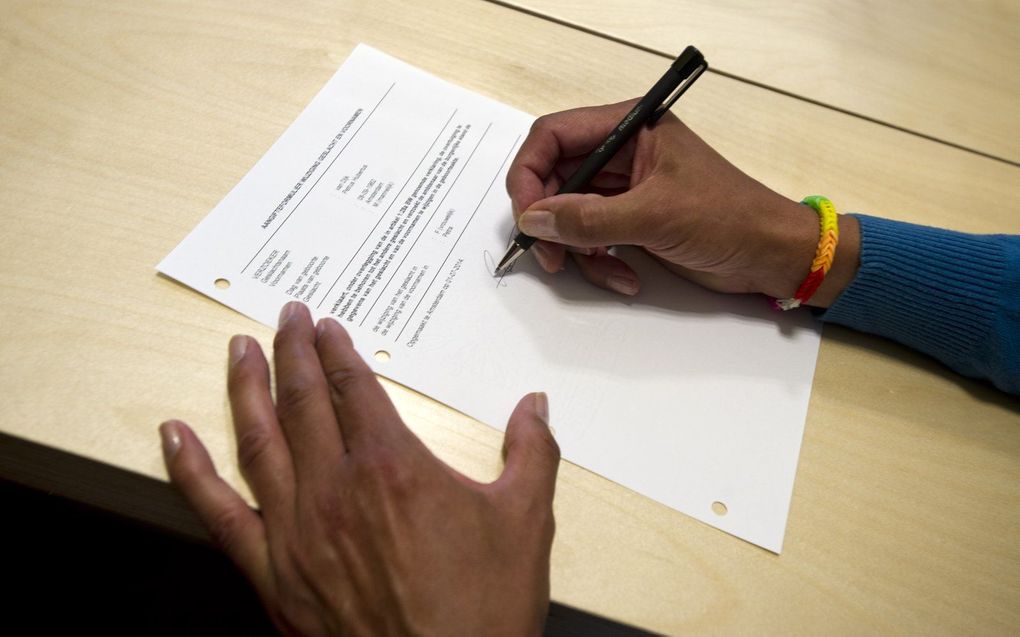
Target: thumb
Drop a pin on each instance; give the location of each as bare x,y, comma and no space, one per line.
586,220
531,453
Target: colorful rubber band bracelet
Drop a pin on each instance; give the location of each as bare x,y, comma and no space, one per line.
824,255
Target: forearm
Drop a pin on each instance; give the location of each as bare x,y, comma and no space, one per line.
951,295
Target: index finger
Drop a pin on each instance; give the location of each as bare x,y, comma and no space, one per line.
561,136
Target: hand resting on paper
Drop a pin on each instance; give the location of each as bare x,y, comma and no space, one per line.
670,193
362,530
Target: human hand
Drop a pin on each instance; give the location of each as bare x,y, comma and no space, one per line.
362,530
670,193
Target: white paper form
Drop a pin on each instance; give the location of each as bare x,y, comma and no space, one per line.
384,206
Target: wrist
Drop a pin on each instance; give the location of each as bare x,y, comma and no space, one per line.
844,266
790,239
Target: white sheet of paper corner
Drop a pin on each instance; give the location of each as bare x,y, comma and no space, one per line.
685,396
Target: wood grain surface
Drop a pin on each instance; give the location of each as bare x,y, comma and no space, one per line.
123,123
943,69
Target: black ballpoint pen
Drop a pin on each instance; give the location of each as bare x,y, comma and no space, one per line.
681,74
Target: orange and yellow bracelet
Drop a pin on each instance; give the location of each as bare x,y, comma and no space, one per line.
824,255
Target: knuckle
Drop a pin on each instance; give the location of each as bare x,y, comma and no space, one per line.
549,527
547,446
542,446
252,447
401,481
330,513
542,124
296,396
225,528
382,468
350,379
545,522
578,225
593,210
536,507
581,220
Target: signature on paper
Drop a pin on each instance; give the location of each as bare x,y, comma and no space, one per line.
490,267
491,263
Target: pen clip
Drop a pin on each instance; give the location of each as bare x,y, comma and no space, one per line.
680,90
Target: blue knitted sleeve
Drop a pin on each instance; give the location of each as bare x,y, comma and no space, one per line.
951,295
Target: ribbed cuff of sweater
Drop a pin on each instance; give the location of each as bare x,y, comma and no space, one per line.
937,291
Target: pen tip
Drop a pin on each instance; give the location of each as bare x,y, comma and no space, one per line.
512,254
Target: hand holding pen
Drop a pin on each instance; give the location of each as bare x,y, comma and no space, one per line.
670,193
679,77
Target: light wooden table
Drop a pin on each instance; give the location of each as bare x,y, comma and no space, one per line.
947,70
123,123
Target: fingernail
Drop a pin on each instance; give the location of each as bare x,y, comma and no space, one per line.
170,435
622,284
539,223
238,346
542,407
288,311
